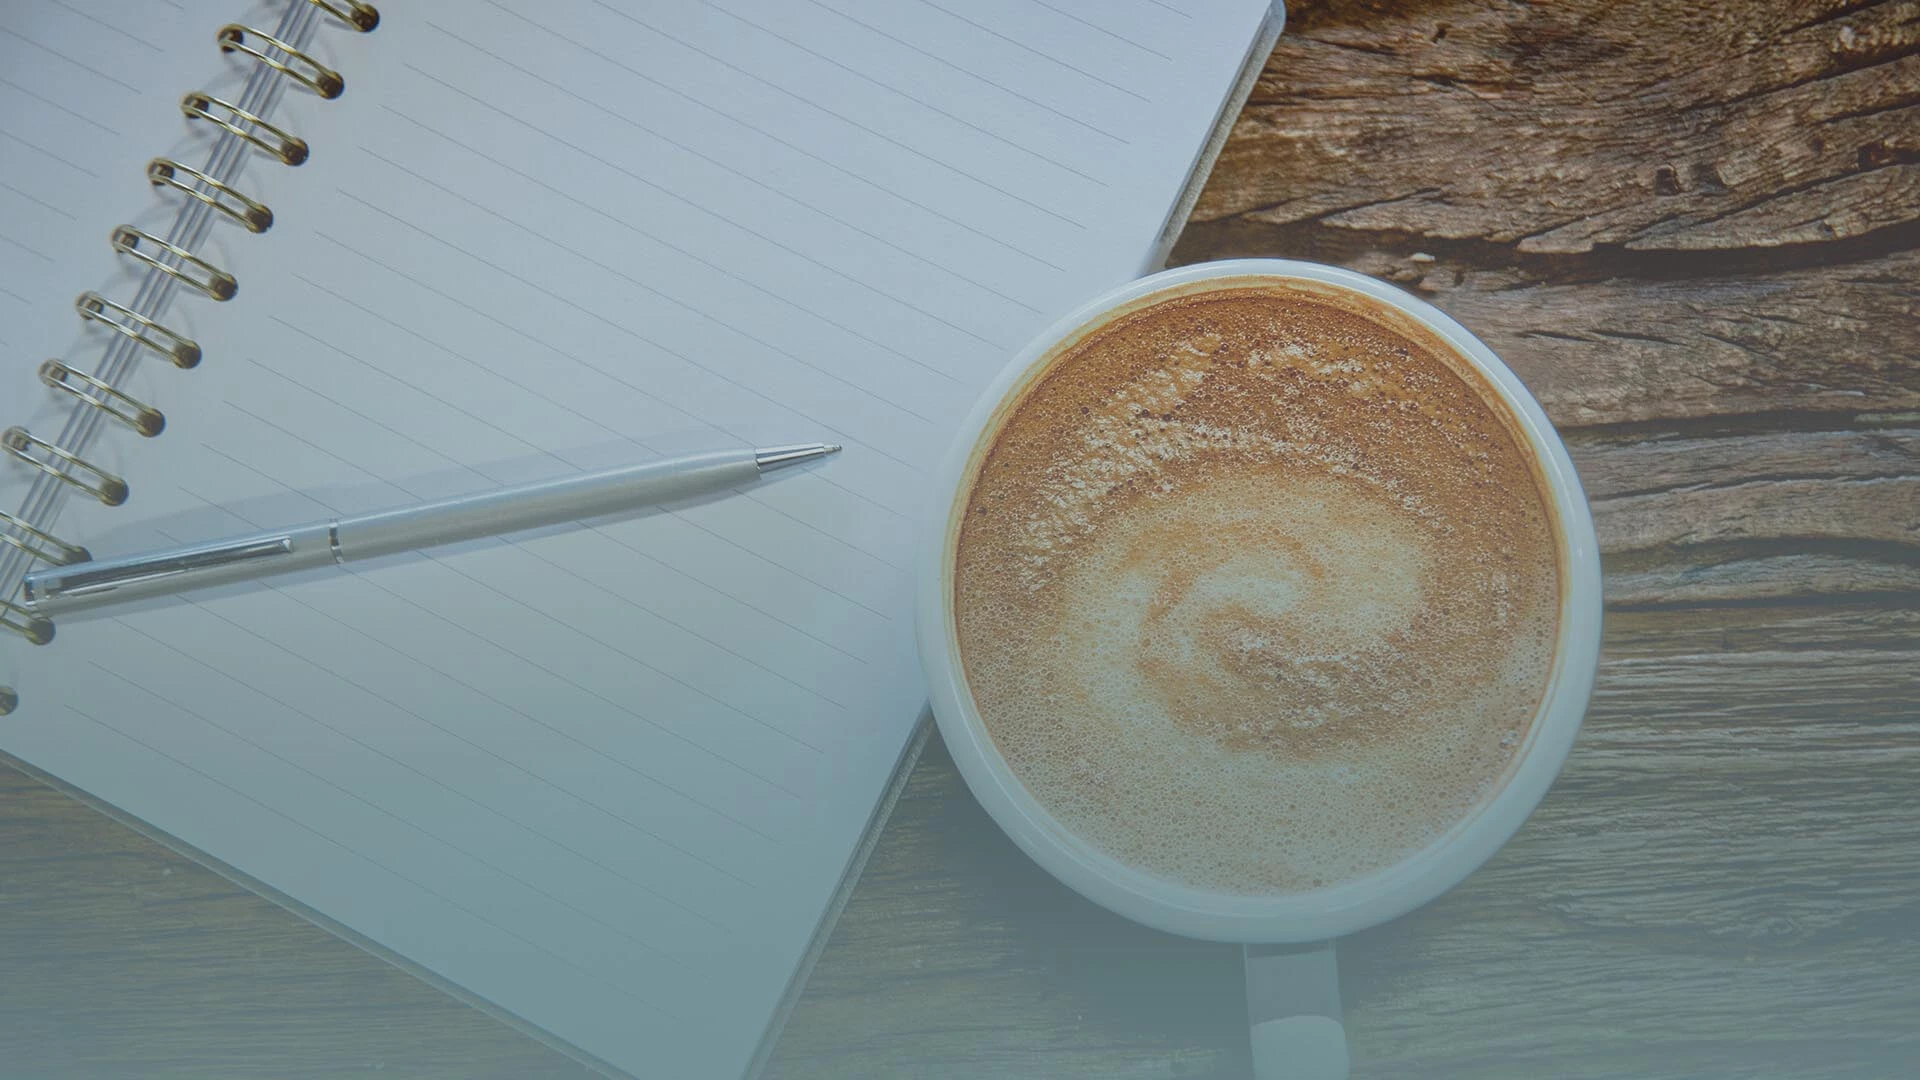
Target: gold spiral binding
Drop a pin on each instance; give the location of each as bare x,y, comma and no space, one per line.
43,546
297,65
178,263
198,185
361,17
37,629
55,462
208,278
181,351
291,149
96,393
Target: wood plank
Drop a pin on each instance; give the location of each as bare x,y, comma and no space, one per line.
1721,884
1636,466
1640,342
1744,517
1741,126
1740,574
1810,486
1652,213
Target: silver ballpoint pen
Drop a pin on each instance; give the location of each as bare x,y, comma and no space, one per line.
61,590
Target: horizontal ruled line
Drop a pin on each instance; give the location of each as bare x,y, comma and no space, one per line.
905,96
977,77
637,230
1103,31
36,200
685,629
88,68
619,763
50,155
843,118
737,173
450,902
103,24
676,301
50,103
1024,47
384,756
621,327
649,721
28,248
600,755
606,534
757,234
848,439
796,147
505,542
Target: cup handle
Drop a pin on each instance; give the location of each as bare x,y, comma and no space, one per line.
1293,1009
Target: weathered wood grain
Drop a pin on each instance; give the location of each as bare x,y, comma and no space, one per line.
1814,486
1560,128
1767,515
1583,186
1743,574
1633,466
1653,212
1638,340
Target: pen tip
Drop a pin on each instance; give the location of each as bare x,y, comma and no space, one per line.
781,456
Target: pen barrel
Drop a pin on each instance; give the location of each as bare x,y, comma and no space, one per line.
65,590
551,503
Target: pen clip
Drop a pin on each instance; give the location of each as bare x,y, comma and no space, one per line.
89,579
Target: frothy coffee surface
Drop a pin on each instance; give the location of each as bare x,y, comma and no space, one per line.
1256,591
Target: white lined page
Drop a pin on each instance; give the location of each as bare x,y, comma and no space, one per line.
607,777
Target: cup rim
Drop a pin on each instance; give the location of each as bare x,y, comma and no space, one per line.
1346,906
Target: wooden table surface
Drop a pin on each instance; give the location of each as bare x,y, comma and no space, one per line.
1692,229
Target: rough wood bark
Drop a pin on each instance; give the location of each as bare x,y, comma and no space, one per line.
1564,128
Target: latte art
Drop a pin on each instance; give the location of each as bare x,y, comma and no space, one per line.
1256,591
1211,613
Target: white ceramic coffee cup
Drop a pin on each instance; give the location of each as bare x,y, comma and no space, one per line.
1293,996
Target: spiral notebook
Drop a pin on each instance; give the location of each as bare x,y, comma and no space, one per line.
607,781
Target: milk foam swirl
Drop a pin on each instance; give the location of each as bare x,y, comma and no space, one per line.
1256,592
1243,593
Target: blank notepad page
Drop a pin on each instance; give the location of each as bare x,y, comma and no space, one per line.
605,778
